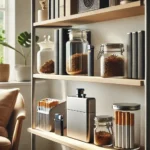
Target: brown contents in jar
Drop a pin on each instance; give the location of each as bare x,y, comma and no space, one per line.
77,64
102,138
113,66
48,67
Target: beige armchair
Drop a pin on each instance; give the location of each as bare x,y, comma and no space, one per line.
14,127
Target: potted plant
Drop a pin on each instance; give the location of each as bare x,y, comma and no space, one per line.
23,72
4,68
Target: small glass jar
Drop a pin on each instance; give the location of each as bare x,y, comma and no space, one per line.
76,52
45,57
126,126
112,60
103,132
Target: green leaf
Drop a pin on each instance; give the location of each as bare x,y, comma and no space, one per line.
24,39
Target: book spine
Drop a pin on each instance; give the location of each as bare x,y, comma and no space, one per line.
56,9
49,9
71,7
141,53
129,55
56,55
52,9
89,37
61,8
63,38
134,55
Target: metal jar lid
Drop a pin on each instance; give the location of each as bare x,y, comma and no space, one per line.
126,106
103,119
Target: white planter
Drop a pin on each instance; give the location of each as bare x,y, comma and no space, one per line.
23,73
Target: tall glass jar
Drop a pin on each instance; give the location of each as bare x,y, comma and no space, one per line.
112,61
103,132
76,52
127,126
45,57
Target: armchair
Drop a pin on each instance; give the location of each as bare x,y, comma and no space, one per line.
14,126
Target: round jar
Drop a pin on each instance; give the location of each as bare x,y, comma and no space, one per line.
127,126
112,60
76,52
103,132
45,56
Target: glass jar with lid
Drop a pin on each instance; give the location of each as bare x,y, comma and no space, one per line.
127,126
76,52
112,61
103,132
45,57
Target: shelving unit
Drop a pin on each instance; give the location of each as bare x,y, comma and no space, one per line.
129,82
111,13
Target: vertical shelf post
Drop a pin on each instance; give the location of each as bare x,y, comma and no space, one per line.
147,74
33,102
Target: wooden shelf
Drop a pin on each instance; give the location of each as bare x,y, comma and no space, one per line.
95,79
110,13
72,143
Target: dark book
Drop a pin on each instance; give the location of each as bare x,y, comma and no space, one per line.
134,55
63,38
141,54
52,9
56,9
89,37
49,9
56,52
129,55
90,60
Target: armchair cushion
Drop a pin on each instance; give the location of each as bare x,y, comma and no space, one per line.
3,132
5,143
7,103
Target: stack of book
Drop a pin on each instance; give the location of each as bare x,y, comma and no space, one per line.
61,8
136,55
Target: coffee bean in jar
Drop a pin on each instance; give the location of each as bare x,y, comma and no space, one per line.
77,64
47,67
112,60
103,131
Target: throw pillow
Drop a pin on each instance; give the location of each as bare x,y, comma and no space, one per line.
7,103
3,132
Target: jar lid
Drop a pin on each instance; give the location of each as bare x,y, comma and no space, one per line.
126,106
47,43
112,45
104,118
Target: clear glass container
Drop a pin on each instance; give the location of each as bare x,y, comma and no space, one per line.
126,126
103,132
45,57
112,61
76,52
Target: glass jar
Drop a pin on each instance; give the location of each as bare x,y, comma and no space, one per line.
45,56
103,132
111,60
76,52
126,126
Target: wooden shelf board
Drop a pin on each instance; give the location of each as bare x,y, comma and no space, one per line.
95,79
72,143
110,13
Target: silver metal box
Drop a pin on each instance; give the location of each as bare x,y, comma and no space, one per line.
80,118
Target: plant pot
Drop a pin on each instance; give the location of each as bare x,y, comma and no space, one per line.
23,73
4,72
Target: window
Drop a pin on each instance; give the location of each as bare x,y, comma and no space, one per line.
2,21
